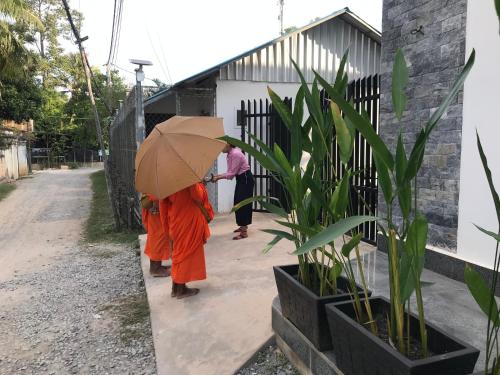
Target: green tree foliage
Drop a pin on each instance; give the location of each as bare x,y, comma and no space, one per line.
50,85
15,17
21,99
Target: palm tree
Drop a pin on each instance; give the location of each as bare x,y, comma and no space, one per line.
14,14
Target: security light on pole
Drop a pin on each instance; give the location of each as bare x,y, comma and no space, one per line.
139,109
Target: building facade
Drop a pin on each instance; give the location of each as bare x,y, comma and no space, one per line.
219,90
437,37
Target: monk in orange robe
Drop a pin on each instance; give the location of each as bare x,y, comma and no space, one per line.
154,219
188,216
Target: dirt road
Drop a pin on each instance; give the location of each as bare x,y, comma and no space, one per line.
67,307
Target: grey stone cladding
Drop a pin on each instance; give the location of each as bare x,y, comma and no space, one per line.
434,55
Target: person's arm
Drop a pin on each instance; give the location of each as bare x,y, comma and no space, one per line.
233,166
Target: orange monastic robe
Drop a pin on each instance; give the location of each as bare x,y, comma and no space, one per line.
158,242
189,231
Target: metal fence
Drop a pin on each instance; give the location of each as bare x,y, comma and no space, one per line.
258,118
121,161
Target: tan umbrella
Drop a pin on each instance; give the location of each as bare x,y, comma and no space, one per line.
178,153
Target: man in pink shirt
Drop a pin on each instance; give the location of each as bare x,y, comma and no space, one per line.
237,166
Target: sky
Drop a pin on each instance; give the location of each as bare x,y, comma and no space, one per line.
184,37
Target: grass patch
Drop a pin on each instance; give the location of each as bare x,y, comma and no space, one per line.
132,313
6,189
100,224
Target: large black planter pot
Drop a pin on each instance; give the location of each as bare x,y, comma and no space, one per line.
304,308
359,352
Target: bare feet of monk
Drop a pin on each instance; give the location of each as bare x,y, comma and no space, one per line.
157,270
182,291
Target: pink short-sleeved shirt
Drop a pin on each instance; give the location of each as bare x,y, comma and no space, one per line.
236,164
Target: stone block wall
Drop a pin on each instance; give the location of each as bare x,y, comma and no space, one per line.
432,37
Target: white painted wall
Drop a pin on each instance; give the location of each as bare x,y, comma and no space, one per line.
481,100
229,95
13,161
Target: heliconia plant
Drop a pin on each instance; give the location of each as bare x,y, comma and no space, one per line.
397,178
483,293
315,202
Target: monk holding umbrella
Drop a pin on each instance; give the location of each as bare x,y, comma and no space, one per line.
170,164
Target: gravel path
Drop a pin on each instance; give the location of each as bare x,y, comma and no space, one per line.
269,361
67,308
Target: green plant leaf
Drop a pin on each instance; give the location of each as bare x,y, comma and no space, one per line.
281,108
457,86
416,240
341,79
412,259
399,82
493,235
416,156
283,234
487,171
497,7
296,131
340,197
407,281
258,198
481,293
362,124
313,105
315,187
403,186
349,246
401,161
345,138
332,232
271,244
335,271
280,157
308,231
384,179
274,209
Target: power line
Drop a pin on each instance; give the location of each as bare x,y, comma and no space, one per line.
118,30
112,41
156,54
164,58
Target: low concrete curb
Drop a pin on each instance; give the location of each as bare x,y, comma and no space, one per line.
298,349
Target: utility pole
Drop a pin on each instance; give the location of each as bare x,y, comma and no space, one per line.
281,3
94,108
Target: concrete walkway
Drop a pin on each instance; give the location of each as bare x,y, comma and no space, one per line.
218,330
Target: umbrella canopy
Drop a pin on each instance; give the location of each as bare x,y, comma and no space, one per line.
178,153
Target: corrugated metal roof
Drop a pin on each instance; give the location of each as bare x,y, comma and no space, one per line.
319,46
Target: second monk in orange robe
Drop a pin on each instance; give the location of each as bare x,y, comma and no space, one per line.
188,216
154,217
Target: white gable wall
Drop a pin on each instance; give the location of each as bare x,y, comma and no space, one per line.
481,99
319,48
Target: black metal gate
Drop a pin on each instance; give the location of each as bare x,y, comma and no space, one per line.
259,119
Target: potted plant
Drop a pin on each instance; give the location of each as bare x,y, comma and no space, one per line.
315,203
483,293
400,342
